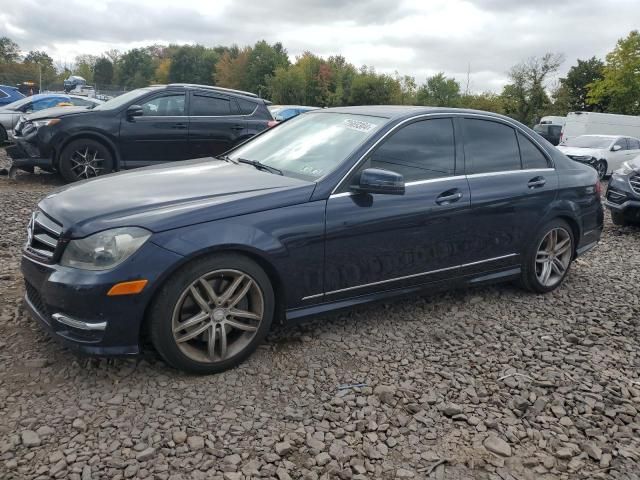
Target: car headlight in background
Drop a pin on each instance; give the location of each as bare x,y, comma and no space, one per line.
104,250
45,123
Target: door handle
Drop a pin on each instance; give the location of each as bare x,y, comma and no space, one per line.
179,126
448,197
237,127
537,182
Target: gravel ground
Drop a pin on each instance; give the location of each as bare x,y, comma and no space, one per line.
487,383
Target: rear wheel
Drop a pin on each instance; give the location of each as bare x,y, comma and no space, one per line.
601,168
548,258
211,315
85,158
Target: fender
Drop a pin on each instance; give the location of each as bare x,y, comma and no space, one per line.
89,134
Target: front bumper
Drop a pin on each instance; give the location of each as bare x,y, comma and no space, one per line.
25,153
621,198
73,306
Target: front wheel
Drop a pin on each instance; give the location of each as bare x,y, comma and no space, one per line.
618,219
548,258
85,158
211,315
601,168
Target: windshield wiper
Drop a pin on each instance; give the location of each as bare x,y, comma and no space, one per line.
226,158
260,166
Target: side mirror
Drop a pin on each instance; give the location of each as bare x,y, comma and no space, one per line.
615,148
377,180
134,111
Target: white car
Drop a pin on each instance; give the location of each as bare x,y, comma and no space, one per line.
605,153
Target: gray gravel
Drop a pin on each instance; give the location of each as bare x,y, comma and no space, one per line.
488,383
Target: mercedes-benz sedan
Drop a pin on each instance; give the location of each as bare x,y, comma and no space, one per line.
333,208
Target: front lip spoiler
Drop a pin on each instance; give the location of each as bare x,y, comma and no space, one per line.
621,206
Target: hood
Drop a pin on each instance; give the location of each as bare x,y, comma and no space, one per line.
171,196
580,152
56,112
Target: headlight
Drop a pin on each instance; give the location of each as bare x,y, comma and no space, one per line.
45,123
628,167
104,250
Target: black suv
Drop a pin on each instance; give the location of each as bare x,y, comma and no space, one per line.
550,132
147,126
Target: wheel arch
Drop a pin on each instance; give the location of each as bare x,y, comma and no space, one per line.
96,136
253,254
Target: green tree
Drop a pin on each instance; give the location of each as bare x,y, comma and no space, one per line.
370,88
263,61
576,84
42,64
103,72
619,86
84,66
193,64
287,86
9,51
525,98
135,69
487,101
439,91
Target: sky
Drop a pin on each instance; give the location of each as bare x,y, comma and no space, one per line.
412,37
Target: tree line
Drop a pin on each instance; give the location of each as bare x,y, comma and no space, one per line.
609,85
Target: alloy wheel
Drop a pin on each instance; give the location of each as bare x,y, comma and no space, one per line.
553,257
217,316
601,168
86,163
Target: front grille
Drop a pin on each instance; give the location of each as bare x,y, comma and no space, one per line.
615,197
43,235
634,182
36,300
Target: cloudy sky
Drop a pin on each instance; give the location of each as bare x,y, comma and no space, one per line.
415,37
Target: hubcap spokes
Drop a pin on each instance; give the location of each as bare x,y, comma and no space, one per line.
86,163
217,316
553,257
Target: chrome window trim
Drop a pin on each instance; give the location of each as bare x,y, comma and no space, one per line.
444,115
508,172
414,275
409,184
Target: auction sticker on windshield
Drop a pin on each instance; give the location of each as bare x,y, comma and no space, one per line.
359,125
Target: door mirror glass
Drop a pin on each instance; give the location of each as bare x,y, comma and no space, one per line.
134,111
377,180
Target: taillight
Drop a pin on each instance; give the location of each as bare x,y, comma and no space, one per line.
598,188
272,123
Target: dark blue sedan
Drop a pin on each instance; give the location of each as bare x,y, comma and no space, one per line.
333,208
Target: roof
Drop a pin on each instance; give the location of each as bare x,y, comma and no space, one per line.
211,87
292,106
402,111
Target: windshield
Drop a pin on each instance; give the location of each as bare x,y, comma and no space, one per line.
587,141
121,100
310,146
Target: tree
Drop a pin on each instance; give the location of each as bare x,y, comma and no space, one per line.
439,91
263,61
287,86
135,68
162,71
576,84
619,86
42,65
370,88
103,72
487,101
231,69
84,66
193,64
9,51
525,97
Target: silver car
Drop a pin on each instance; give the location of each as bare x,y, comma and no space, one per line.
10,114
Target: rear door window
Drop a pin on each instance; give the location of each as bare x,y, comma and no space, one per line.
210,106
246,107
490,147
531,155
634,144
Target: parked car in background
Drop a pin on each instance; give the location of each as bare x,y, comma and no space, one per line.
161,123
593,123
9,95
549,132
605,153
281,113
11,114
623,193
205,255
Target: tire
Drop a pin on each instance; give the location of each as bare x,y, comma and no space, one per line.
212,343
84,158
536,263
618,219
601,167
3,135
